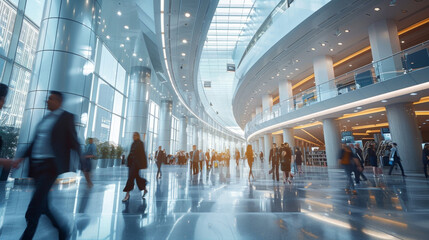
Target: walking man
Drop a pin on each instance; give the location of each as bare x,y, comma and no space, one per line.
274,160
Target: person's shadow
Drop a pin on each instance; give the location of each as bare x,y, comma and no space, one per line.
132,226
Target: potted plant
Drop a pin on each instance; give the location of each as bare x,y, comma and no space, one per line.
104,149
112,155
119,152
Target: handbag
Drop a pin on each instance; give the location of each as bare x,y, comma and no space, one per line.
391,161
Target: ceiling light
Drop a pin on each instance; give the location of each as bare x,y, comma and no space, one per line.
313,49
296,69
183,77
358,107
119,13
383,101
121,45
284,69
272,77
186,84
187,14
297,60
331,49
184,41
126,27
413,94
183,54
108,37
350,65
402,41
141,59
377,9
323,44
340,44
127,38
346,30
134,54
288,76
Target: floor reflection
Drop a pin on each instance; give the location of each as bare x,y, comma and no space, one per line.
221,203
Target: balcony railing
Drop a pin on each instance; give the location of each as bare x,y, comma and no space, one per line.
403,62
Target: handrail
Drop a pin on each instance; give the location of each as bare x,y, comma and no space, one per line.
411,59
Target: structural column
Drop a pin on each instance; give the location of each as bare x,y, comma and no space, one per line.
138,106
384,40
405,132
268,143
183,134
323,73
331,133
288,137
164,136
64,59
267,103
285,95
278,139
194,132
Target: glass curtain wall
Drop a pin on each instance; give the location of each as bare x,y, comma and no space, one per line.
174,135
152,127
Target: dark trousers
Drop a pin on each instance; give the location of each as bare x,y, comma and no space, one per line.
44,177
276,170
158,173
195,167
133,174
201,165
396,161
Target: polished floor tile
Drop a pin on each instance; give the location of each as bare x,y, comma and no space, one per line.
223,204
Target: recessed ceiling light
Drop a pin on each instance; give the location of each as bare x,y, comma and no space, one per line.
331,49
370,116
288,76
126,27
350,65
121,45
186,84
340,44
183,54
119,13
183,77
284,69
296,69
413,94
134,54
382,114
323,44
278,74
358,107
402,41
377,9
297,60
184,41
383,101
313,49
141,59
187,14
108,37
346,30
127,38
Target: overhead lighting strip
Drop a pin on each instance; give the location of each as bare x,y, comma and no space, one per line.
170,78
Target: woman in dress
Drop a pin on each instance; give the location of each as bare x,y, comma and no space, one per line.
286,158
249,155
298,159
136,160
372,156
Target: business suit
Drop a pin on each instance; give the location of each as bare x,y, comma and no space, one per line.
160,158
195,157
137,160
274,159
63,139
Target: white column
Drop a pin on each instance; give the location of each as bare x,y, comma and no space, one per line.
331,133
194,132
285,95
164,136
384,40
256,145
288,137
183,135
323,72
267,103
268,143
405,132
258,110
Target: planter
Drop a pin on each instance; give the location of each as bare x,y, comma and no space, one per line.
110,162
117,163
94,163
102,163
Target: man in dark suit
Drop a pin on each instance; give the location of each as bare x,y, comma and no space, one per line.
195,158
49,155
159,158
274,160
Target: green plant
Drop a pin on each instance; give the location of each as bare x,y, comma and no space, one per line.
104,150
9,136
112,151
119,152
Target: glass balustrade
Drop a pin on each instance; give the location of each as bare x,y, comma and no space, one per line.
411,59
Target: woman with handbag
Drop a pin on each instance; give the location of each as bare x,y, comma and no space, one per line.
136,161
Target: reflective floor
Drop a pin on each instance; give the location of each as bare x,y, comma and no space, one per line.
222,204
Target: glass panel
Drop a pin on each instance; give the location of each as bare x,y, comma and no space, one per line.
108,66
115,129
34,10
117,106
105,95
102,124
7,22
120,78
